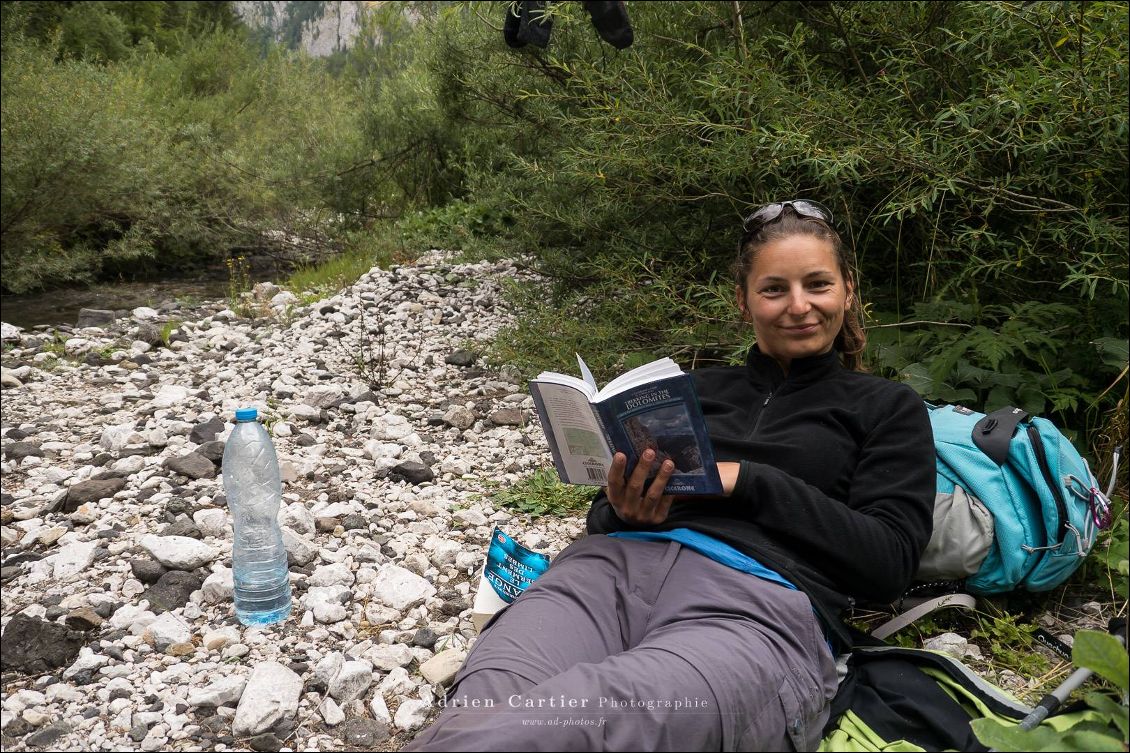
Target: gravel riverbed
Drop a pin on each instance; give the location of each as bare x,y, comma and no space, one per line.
119,630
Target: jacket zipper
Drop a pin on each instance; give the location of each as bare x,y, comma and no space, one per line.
757,421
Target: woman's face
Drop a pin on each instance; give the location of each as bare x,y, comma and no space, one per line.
795,296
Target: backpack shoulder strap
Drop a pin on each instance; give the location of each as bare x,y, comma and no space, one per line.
895,624
993,433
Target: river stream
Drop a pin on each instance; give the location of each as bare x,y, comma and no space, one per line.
61,306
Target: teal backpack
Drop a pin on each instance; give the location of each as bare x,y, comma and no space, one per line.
1016,508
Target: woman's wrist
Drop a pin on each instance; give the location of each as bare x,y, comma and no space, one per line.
729,474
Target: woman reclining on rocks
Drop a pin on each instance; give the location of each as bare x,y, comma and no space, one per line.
712,623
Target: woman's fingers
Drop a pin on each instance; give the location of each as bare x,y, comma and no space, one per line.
632,503
639,474
616,472
656,504
655,491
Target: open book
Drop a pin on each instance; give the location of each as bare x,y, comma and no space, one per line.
654,406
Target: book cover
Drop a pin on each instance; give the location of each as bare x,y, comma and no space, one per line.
664,416
509,570
653,406
580,446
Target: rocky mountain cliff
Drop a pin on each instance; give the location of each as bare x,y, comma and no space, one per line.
318,28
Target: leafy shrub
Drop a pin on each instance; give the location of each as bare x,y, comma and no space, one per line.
1036,356
542,493
1108,727
972,152
166,161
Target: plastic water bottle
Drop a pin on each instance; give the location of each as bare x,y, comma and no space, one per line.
254,492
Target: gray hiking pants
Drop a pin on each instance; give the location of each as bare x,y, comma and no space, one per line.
642,645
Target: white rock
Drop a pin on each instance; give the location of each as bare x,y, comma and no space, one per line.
328,667
297,517
306,412
235,651
221,692
283,299
130,615
118,436
48,536
144,312
326,595
35,718
379,709
271,695
397,682
331,575
441,668
8,378
153,742
73,559
169,395
412,714
332,713
211,522
218,587
391,427
323,395
9,332
442,552
299,550
401,589
87,660
389,657
76,346
63,692
351,681
85,514
179,552
217,639
328,614
129,465
460,417
375,450
455,466
264,291
166,630
951,643
470,517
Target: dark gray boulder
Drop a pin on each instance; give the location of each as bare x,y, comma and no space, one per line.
193,465
34,646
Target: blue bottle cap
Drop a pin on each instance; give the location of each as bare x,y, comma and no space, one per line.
246,414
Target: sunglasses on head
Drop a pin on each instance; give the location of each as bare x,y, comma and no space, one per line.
813,210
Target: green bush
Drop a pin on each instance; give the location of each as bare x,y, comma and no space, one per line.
76,162
973,152
168,161
542,493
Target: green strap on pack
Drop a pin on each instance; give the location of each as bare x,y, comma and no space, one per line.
897,699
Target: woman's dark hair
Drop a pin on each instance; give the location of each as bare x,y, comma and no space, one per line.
851,339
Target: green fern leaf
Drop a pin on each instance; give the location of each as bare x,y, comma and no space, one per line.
989,347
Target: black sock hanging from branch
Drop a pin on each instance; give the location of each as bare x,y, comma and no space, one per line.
528,23
610,17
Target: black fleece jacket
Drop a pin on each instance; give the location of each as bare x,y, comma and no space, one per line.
836,487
